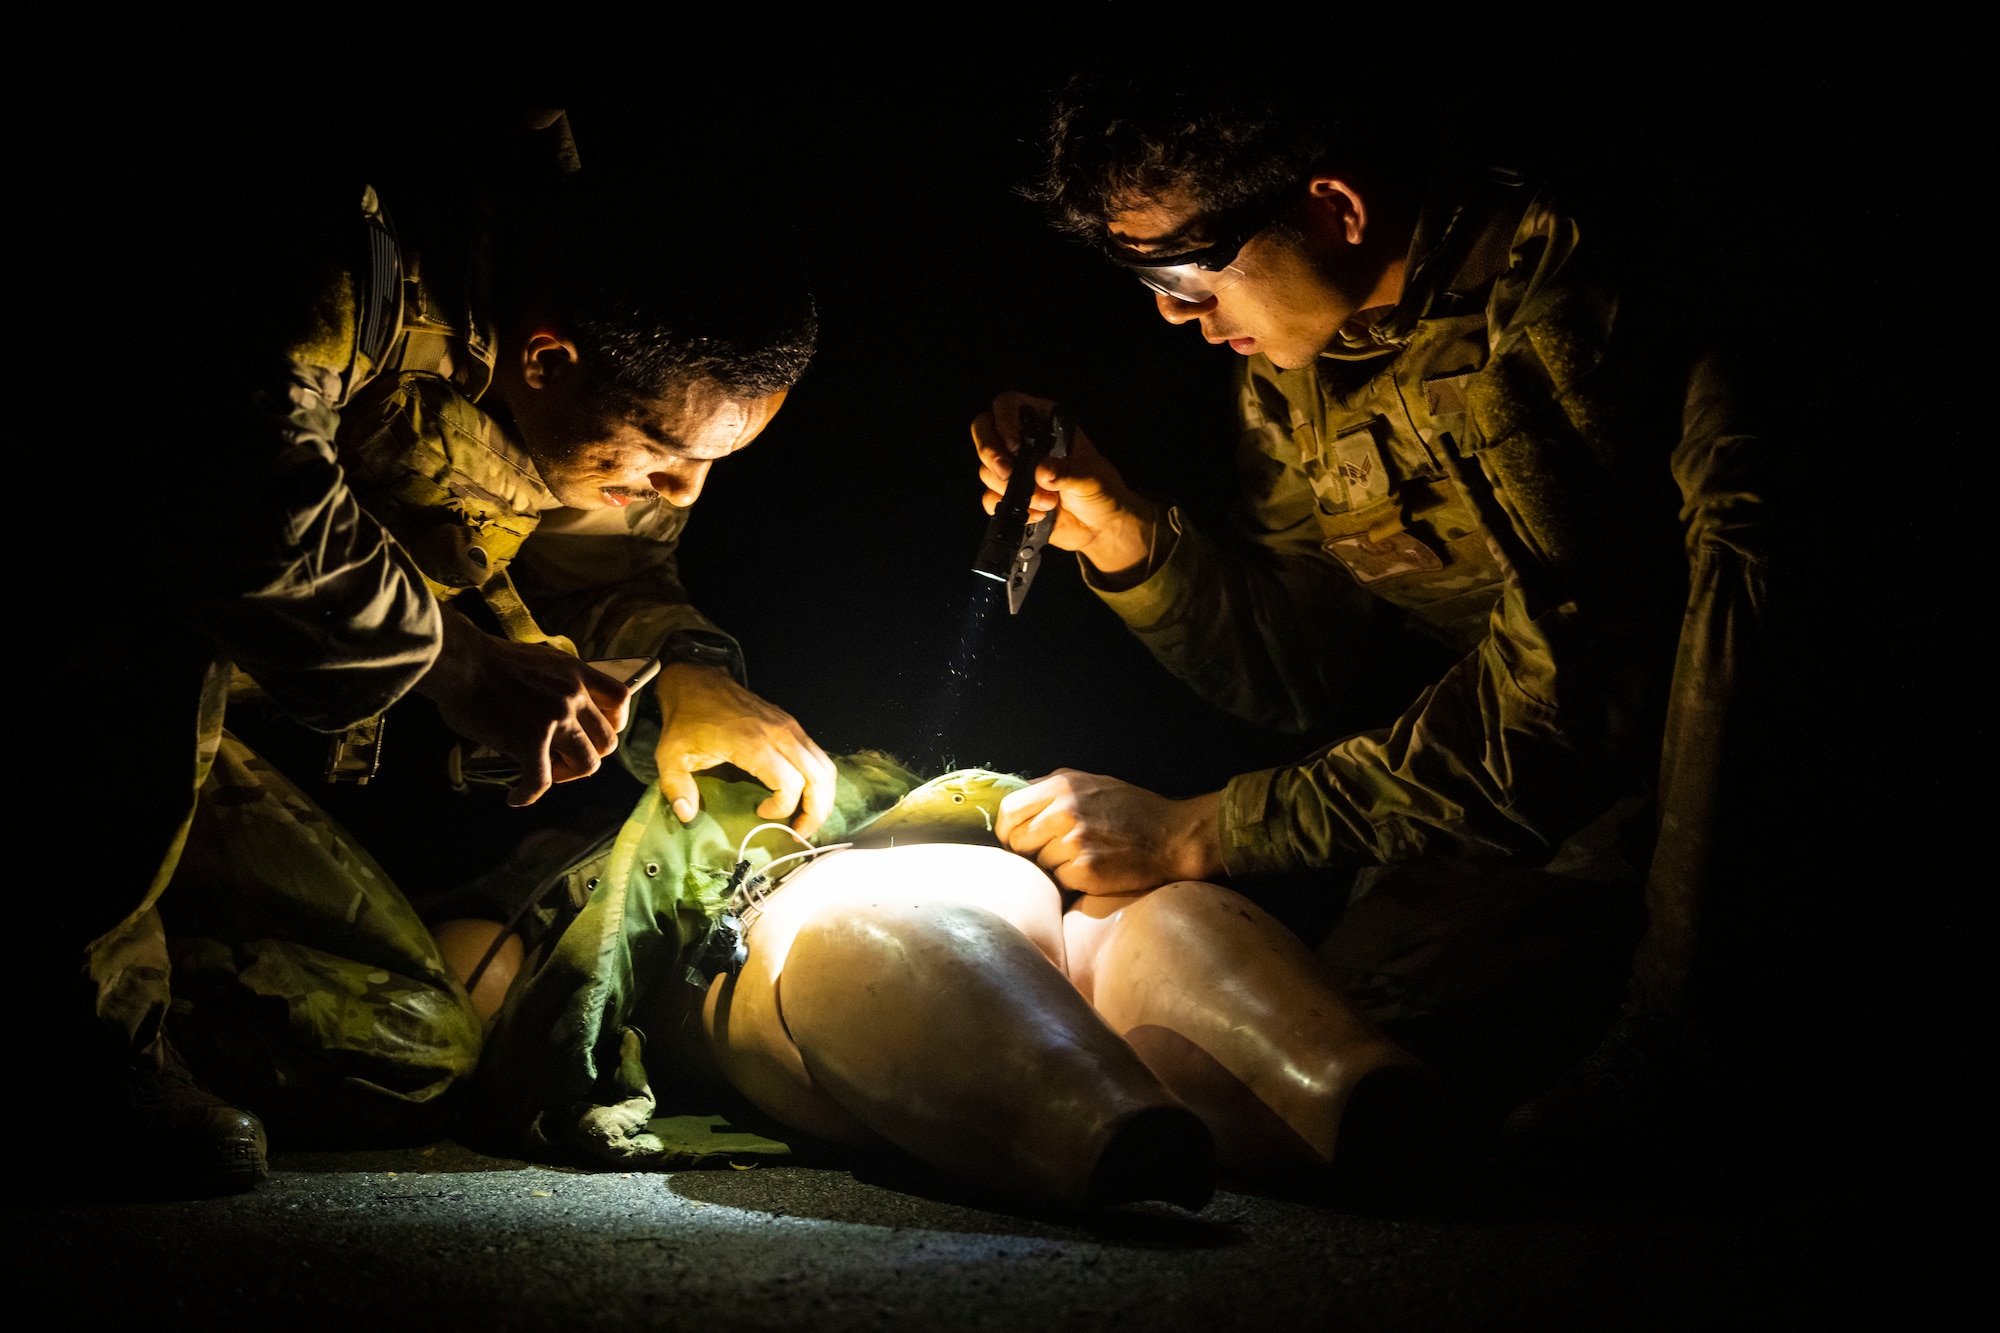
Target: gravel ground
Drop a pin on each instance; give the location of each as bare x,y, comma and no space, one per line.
443,1237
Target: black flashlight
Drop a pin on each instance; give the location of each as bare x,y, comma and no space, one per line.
1012,549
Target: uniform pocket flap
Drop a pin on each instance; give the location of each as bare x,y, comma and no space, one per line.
1394,554
1444,395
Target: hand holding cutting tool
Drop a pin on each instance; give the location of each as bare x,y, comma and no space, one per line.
1012,549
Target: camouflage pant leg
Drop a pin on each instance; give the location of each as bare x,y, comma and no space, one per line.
305,987
128,965
1499,977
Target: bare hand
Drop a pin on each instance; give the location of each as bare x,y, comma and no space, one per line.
535,704
707,719
1100,835
1097,514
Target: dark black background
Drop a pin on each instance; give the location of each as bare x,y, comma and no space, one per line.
1814,185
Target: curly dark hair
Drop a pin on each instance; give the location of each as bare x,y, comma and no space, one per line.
1231,146
658,284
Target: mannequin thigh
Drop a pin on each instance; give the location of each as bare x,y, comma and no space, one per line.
743,1014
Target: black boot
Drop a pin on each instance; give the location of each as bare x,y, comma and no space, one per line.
1628,1113
189,1141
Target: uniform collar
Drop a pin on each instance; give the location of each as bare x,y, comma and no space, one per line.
1446,258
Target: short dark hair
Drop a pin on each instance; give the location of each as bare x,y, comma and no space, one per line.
659,283
1232,146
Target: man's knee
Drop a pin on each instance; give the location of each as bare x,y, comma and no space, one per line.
326,1049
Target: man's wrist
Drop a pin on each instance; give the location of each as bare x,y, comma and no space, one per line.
691,671
1198,845
676,677
458,659
1121,555
705,648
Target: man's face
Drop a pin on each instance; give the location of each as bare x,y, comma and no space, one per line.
661,448
1297,288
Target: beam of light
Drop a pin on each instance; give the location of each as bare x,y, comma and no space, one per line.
961,674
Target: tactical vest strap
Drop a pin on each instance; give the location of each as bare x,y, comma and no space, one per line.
379,285
1502,528
504,601
1547,453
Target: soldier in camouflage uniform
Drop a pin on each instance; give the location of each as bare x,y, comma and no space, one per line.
1454,401
308,990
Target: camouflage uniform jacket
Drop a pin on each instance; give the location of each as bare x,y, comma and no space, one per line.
454,485
282,570
1540,476
269,568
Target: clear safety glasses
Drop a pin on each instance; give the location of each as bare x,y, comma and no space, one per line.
1186,282
1195,276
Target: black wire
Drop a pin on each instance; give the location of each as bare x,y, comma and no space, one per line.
533,901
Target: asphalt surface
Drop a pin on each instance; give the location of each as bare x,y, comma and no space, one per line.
445,1238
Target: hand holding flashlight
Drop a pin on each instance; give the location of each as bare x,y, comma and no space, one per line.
1096,513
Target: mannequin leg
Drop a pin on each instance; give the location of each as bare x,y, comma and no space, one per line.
747,1033
890,991
1237,1018
462,942
941,1028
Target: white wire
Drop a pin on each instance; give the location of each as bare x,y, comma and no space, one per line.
743,848
793,856
748,901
